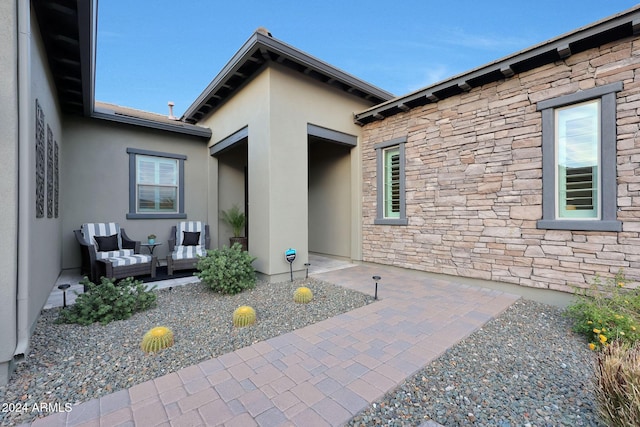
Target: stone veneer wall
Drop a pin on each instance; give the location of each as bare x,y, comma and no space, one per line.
474,180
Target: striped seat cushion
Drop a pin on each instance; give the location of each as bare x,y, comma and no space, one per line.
102,229
190,226
115,254
129,260
187,252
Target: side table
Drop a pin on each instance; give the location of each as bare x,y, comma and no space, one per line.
150,246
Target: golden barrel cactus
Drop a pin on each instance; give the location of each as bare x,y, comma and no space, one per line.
157,339
244,316
303,295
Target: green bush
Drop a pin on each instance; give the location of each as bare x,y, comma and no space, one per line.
227,270
607,312
108,301
618,384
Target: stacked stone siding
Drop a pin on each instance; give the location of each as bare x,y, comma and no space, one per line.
474,180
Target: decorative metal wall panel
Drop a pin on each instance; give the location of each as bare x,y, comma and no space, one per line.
49,172
40,165
56,176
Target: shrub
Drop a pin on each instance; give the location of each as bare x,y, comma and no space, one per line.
607,312
244,316
618,384
157,339
227,270
108,301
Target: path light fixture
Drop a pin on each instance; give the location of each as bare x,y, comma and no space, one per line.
376,278
307,264
64,288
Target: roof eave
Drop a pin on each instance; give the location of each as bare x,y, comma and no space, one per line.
88,13
178,127
259,51
618,26
67,28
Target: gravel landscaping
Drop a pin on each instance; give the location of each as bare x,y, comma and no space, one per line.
524,368
69,363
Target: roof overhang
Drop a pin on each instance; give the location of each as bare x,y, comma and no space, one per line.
68,33
130,116
68,29
260,50
619,26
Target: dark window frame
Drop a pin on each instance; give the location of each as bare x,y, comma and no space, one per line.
380,149
608,138
133,214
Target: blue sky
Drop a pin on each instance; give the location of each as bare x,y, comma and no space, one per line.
151,52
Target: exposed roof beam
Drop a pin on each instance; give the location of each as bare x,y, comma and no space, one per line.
466,87
57,7
507,71
73,79
62,39
564,51
404,107
67,61
265,54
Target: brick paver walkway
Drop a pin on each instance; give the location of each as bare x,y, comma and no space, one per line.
320,375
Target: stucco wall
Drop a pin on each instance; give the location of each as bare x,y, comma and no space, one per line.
474,181
329,199
45,249
8,182
249,108
95,174
297,102
276,106
231,189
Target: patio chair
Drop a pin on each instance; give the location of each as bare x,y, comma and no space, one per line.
107,251
187,241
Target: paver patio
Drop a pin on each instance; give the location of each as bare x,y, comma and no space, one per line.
320,375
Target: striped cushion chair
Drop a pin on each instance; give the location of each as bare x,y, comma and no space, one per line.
187,241
106,243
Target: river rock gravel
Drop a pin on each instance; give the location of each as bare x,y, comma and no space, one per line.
524,368
70,364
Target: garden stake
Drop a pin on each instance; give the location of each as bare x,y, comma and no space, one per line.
290,256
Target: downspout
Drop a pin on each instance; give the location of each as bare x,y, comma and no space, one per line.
24,175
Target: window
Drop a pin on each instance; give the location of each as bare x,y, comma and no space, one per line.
156,184
390,183
579,161
391,195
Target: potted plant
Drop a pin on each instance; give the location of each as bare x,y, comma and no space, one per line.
236,220
151,238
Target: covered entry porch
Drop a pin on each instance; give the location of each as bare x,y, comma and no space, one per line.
323,216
